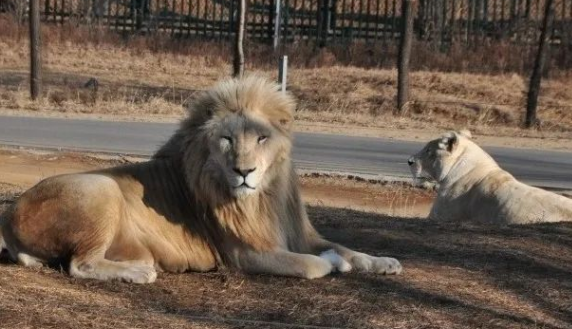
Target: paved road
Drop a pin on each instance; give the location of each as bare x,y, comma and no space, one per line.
375,157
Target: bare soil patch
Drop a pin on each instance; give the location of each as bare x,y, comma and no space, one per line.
394,199
455,276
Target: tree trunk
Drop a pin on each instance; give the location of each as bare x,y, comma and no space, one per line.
35,51
238,64
536,77
404,54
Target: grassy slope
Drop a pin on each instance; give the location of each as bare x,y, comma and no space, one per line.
139,84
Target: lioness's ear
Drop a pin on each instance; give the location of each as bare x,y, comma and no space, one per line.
466,133
449,141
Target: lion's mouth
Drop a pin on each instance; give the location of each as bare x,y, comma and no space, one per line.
243,190
244,185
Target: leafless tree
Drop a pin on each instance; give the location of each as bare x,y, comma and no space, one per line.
404,54
238,64
534,87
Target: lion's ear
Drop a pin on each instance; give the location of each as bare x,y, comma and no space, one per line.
202,106
285,123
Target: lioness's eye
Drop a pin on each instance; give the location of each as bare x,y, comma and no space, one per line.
227,138
262,139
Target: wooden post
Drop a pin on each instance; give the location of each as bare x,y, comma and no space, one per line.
536,77
283,73
35,51
404,54
238,64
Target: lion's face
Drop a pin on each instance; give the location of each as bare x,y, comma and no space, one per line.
242,149
435,160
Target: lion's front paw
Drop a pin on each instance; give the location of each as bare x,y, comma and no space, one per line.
139,274
318,268
383,265
337,261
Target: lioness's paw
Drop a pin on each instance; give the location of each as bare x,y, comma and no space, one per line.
382,265
337,261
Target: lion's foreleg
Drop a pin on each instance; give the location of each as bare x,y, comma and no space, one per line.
359,261
284,263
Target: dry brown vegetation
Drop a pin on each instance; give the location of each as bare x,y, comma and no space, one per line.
455,276
149,78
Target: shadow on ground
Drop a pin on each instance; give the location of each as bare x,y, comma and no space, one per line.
455,277
62,86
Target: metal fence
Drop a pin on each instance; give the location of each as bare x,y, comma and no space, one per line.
441,21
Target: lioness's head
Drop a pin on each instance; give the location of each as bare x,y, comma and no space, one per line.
245,124
438,156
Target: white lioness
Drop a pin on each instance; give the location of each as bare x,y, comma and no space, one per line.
473,187
221,191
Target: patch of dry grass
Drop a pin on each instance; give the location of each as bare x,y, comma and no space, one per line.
444,100
389,198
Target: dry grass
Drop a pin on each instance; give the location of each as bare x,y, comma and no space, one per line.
455,277
137,80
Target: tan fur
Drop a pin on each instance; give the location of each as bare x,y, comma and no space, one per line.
221,192
473,187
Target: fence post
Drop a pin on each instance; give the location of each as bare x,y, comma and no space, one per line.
404,54
536,77
319,21
277,19
238,63
326,21
439,22
283,73
35,50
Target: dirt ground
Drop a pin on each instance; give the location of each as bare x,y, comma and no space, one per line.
455,276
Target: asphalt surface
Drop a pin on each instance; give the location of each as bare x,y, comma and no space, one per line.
366,156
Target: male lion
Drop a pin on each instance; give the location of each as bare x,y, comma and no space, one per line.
221,191
473,187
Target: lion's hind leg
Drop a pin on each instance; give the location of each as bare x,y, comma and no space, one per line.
103,269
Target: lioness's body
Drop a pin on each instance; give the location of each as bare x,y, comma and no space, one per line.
221,191
473,187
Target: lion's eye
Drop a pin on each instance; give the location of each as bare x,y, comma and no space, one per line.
227,138
262,139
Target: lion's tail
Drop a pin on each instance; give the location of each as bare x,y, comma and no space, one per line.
3,219
2,242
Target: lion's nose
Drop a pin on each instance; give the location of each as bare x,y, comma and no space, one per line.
410,161
243,172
